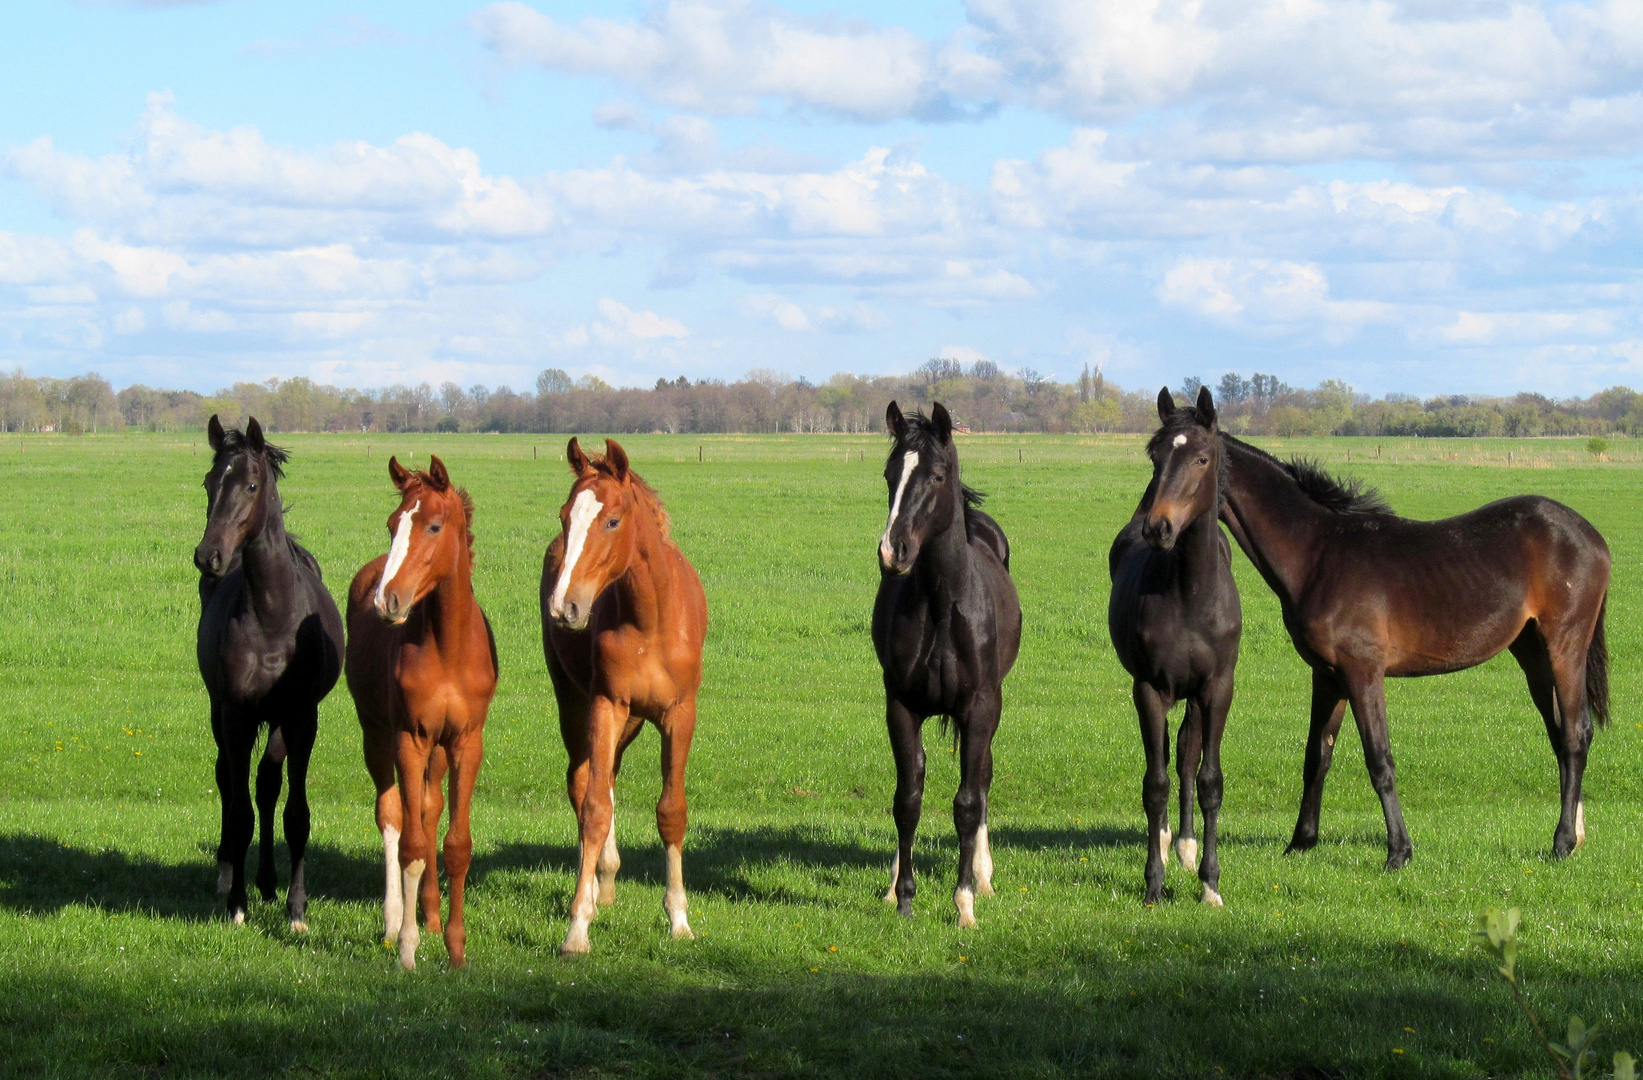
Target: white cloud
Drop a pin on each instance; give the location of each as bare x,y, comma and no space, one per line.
727,57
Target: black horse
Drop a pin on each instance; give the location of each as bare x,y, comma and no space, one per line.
270,649
946,627
1175,620
1368,595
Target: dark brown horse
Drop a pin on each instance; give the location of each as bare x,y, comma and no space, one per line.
270,649
422,670
623,622
1175,620
946,629
1368,595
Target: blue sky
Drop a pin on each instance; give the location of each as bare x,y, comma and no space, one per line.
1420,197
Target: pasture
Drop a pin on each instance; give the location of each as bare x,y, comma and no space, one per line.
115,959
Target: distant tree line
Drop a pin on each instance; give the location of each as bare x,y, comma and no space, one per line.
980,395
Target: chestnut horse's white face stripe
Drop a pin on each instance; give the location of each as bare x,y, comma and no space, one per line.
909,462
397,552
582,514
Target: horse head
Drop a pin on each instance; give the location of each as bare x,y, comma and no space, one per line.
598,519
1186,468
431,535
922,476
241,492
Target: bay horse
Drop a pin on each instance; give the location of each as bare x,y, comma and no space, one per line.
624,618
1368,595
1175,621
269,645
946,629
422,670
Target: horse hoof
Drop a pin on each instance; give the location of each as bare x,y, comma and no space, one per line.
1300,844
890,898
1153,898
607,895
984,888
904,908
1212,898
1397,860
683,932
576,944
298,926
238,916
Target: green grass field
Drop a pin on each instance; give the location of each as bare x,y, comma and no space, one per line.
115,959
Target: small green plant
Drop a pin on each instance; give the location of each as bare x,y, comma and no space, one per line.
1597,446
1570,1057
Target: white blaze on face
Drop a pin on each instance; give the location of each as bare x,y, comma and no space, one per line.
583,511
909,462
396,552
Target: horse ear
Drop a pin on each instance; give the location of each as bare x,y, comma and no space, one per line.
617,458
1206,407
574,457
1166,404
894,422
437,474
943,421
398,473
253,435
214,433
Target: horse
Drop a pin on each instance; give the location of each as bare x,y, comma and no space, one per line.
1175,621
946,630
623,622
1367,595
269,645
422,670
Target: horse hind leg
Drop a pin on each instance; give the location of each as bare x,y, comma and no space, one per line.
379,762
269,776
610,860
1189,743
1217,702
465,759
433,807
678,728
1556,670
970,804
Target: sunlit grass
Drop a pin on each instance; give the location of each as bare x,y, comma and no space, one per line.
114,958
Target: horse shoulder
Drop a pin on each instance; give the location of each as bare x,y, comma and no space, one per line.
364,584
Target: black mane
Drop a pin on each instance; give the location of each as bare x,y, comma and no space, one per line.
234,442
1350,496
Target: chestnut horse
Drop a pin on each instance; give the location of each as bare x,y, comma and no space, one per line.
623,621
270,647
1368,595
422,668
1175,621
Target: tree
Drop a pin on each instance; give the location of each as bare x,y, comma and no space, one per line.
553,381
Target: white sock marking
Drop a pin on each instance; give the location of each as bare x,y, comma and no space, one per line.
909,462
409,936
609,860
1163,843
1212,898
393,901
675,901
582,513
396,553
1187,849
1580,822
966,901
982,864
895,872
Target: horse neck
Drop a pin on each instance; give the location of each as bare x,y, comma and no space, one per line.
1274,521
1198,550
271,571
452,607
944,558
647,585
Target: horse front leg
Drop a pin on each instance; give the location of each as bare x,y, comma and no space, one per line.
907,744
1189,746
1216,703
678,727
606,721
610,859
225,796
1367,692
411,764
970,804
433,805
240,739
1152,709
299,736
379,762
465,756
1328,710
270,773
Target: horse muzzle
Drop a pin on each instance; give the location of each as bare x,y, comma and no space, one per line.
392,608
208,559
569,614
1159,533
897,557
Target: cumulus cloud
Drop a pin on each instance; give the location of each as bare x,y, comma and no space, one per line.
728,57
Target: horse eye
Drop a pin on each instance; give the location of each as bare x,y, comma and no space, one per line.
612,523
253,487
436,526
1203,461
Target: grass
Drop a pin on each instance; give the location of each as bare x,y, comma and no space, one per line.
115,960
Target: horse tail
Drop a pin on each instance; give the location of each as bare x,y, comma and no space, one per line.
1597,671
